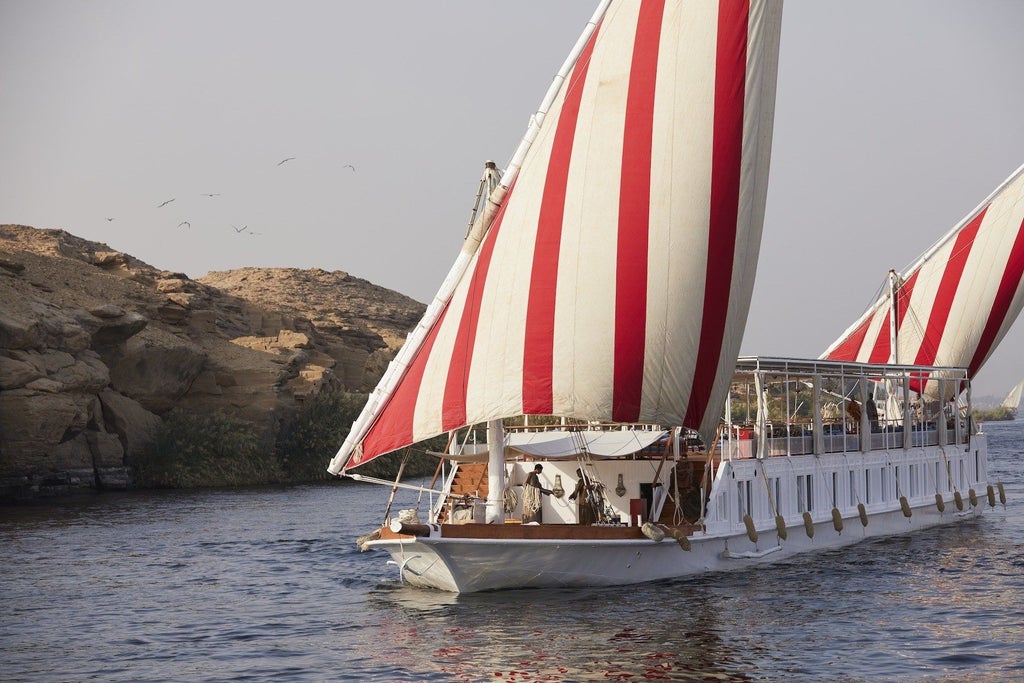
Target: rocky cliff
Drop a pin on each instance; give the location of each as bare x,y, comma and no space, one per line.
96,345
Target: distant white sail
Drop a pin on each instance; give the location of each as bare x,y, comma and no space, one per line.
1012,400
956,303
614,281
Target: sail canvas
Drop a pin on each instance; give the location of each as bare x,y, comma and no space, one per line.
956,303
614,281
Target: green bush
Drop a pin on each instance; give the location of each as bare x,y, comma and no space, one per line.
998,414
308,441
420,464
191,450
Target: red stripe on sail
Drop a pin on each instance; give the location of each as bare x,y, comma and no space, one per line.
1008,285
939,316
726,161
453,405
634,217
538,350
850,348
903,295
903,298
950,282
881,352
393,427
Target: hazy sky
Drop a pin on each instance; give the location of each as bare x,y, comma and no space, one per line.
893,121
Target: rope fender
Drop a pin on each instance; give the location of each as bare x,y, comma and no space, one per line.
748,522
809,524
863,512
780,527
837,520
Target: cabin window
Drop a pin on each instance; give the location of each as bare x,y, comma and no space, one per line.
774,485
804,493
949,476
884,485
963,482
977,467
913,482
743,496
835,489
867,486
853,488
938,476
901,483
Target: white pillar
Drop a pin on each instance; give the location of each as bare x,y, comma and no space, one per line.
817,429
495,472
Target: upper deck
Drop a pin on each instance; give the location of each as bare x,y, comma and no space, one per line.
781,406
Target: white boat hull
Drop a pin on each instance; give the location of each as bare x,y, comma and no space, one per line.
467,565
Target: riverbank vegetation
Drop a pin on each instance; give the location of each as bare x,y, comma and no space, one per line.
199,450
999,414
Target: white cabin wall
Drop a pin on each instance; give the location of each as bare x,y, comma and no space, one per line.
564,511
852,478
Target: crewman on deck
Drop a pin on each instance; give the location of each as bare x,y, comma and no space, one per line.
585,512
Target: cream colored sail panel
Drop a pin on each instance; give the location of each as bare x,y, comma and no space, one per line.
681,159
584,310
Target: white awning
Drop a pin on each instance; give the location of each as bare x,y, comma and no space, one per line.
555,444
599,444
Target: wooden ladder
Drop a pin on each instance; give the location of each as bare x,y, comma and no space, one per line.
470,479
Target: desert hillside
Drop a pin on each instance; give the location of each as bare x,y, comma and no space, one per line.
96,346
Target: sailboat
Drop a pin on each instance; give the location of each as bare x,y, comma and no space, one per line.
590,329
956,302
1012,401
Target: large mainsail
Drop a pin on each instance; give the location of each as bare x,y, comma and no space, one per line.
956,302
611,278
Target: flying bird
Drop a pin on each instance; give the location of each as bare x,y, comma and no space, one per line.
109,219
211,194
284,160
166,203
185,223
241,229
350,166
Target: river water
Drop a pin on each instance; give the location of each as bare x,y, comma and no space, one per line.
267,585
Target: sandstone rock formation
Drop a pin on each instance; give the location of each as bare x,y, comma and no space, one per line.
96,345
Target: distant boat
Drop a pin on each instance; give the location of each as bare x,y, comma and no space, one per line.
1012,400
591,325
1005,411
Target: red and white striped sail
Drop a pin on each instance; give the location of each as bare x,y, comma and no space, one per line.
955,304
614,281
